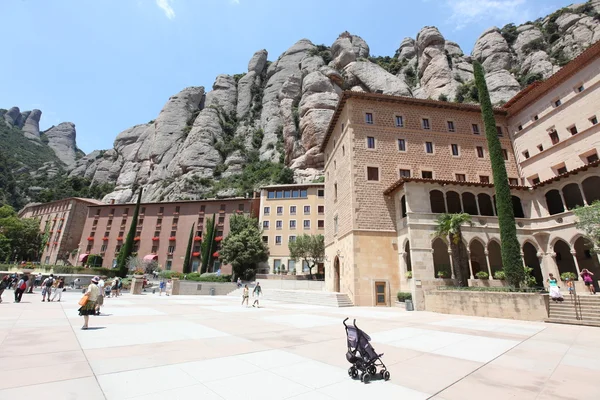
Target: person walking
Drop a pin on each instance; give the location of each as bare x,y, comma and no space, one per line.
555,294
20,288
115,287
256,292
245,296
38,280
89,307
47,287
60,287
169,287
161,287
239,282
100,301
3,285
588,280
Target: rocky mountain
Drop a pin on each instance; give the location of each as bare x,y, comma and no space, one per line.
248,126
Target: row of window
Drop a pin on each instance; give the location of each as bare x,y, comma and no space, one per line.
292,194
292,224
161,210
373,175
555,139
561,168
278,239
267,210
399,122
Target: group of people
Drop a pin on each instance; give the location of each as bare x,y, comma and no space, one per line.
257,292
19,282
554,289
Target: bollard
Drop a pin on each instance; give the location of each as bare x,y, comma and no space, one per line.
212,291
408,304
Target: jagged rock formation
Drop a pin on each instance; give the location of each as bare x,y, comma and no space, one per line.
279,111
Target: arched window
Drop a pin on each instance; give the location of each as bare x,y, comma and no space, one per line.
403,206
517,207
407,255
453,200
485,204
554,202
532,261
469,203
438,205
564,258
591,189
572,196
441,258
495,256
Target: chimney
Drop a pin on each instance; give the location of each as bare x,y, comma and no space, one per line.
112,201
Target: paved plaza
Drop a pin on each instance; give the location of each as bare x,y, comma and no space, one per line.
184,347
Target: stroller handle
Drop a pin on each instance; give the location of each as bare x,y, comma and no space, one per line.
354,323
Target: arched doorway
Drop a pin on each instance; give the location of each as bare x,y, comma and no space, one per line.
485,204
564,258
441,258
572,196
407,256
495,256
403,206
478,261
453,200
591,189
531,259
586,259
336,274
554,202
436,199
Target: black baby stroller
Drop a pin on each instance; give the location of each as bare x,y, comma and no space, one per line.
362,355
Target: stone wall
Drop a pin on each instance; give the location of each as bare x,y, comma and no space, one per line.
203,288
521,306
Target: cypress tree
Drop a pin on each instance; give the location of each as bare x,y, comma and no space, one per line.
187,265
127,248
208,243
510,249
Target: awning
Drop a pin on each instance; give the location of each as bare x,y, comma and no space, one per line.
150,257
83,257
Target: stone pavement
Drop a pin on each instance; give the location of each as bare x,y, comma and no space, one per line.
183,347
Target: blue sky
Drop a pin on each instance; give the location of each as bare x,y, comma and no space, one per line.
109,64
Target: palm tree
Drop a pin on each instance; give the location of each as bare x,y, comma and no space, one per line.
449,225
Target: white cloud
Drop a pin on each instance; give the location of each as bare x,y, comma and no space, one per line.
465,12
165,5
235,1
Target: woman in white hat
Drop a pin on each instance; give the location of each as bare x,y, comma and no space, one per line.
89,308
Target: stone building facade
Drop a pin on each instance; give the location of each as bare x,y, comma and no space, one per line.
286,212
62,223
163,230
393,164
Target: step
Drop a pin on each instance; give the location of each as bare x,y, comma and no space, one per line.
572,322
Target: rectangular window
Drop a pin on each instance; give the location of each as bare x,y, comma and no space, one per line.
540,147
372,173
426,123
306,224
370,142
321,193
303,193
554,137
561,170
475,129
342,127
267,210
265,239
594,120
427,174
526,154
161,210
499,131
240,207
505,154
451,126
405,173
223,207
592,158
270,195
306,210
287,194
291,263
573,130
461,177
279,210
103,248
335,191
535,180
399,121
455,151
369,118
320,224
169,264
580,88
295,194
171,249
278,240
335,225
278,224
177,209
321,210
484,179
480,153
265,224
513,181
293,210
292,224
401,145
279,194
557,103
429,147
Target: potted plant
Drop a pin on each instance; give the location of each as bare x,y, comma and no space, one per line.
568,276
500,275
408,274
482,275
442,274
406,298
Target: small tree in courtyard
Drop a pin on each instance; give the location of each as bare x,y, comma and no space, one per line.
243,247
449,226
588,221
208,244
310,249
510,247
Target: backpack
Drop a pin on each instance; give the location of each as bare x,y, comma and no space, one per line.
23,285
49,282
120,285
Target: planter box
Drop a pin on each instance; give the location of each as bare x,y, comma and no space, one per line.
487,283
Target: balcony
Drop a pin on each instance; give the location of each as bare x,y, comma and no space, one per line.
221,211
176,213
94,227
111,215
95,217
160,214
124,215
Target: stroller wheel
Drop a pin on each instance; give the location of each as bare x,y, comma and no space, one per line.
366,378
372,370
353,372
385,375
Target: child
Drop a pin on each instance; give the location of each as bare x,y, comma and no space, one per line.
107,290
245,296
161,287
570,286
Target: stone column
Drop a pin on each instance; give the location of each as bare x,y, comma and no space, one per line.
562,198
451,263
489,265
574,255
470,265
477,204
582,194
462,207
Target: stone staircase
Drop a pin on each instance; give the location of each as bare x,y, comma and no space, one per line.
576,310
312,297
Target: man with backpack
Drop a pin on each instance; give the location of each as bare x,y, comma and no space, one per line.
256,292
20,288
47,287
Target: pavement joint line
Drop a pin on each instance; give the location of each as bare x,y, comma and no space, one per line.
483,365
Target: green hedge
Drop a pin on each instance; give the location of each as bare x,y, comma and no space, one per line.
195,276
403,296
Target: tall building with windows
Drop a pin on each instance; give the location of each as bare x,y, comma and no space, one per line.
62,223
394,164
163,230
287,211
